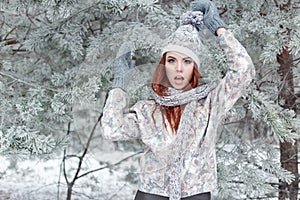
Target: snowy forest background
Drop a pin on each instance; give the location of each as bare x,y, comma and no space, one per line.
56,61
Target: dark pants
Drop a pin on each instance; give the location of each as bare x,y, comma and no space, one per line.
146,196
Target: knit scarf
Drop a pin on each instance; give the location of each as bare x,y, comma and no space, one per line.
178,97
184,132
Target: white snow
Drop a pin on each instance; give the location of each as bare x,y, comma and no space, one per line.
39,179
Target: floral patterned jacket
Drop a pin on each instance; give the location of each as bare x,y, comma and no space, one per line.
144,121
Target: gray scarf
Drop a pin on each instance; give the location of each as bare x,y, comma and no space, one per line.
184,131
177,97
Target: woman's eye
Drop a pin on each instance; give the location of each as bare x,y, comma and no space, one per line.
171,60
188,61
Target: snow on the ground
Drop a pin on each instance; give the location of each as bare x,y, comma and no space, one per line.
39,179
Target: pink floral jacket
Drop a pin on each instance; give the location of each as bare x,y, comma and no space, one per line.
144,120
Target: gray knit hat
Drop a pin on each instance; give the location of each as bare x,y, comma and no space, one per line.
186,38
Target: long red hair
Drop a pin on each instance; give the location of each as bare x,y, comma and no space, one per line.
160,84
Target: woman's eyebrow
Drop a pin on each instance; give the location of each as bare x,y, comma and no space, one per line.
185,58
171,57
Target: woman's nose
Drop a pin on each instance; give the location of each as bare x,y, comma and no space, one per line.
179,67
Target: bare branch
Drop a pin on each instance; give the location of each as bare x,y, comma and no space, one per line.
11,41
6,36
81,158
111,165
28,16
28,82
63,164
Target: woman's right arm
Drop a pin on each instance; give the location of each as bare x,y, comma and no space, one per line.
117,122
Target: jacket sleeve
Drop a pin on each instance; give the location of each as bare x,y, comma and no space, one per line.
117,122
240,73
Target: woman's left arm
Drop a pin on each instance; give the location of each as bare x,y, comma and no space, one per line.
240,73
241,70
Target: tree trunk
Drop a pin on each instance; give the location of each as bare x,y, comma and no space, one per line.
288,151
288,159
69,191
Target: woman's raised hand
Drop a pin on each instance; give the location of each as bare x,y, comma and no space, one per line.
123,66
211,17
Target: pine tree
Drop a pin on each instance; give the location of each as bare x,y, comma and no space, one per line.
57,55
270,32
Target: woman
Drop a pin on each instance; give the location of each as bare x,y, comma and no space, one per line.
179,126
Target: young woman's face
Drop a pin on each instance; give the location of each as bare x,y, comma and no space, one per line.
179,69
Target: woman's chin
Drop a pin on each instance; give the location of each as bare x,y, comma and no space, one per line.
179,86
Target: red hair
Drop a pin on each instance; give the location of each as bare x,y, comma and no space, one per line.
160,84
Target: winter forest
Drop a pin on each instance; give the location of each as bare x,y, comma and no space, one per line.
56,62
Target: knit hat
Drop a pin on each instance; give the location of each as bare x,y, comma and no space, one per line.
186,38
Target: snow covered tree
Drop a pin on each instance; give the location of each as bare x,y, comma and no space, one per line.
56,59
56,56
270,31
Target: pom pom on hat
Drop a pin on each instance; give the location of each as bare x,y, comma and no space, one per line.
195,18
186,39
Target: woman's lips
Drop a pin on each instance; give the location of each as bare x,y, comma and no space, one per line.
179,79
